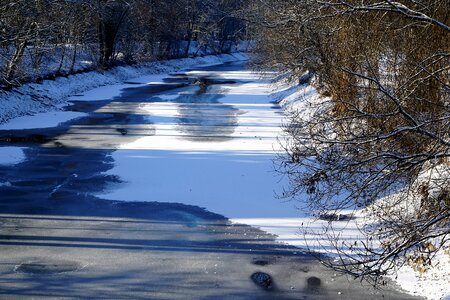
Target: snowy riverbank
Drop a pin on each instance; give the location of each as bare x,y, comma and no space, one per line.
52,95
213,149
433,284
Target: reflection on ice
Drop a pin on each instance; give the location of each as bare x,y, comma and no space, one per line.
205,118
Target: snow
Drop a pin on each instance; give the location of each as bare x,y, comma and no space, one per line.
51,95
229,173
233,176
10,156
236,170
41,120
432,284
193,178
114,90
306,232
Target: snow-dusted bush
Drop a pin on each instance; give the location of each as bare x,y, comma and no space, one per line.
383,133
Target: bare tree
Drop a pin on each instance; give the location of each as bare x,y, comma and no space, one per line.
383,131
36,32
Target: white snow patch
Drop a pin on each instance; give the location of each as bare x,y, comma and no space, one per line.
51,95
114,90
233,176
433,284
41,120
169,97
11,156
307,232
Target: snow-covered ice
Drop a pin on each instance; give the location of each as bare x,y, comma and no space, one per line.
230,169
11,156
233,175
41,120
113,90
51,95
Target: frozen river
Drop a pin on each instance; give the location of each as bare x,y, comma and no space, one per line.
127,199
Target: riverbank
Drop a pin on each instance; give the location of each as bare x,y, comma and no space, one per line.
52,95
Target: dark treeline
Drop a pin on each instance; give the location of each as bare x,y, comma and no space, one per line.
53,37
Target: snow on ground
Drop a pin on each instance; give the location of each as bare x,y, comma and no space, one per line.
41,120
52,61
434,283
11,156
51,95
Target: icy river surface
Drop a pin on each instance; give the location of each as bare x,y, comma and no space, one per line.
142,192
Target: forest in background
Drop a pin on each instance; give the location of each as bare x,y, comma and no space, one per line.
41,39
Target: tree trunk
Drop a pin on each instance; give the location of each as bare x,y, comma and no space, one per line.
107,37
15,60
61,62
74,59
186,54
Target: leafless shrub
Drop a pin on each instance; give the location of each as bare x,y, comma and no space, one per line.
386,67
